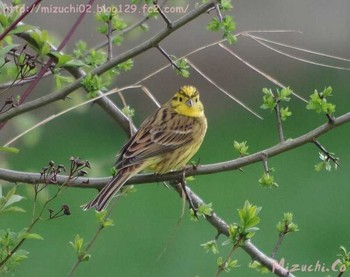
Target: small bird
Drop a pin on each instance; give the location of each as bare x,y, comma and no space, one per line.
165,141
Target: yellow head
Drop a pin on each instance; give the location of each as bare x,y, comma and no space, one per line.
186,102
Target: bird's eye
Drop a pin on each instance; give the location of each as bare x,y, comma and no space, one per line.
196,100
180,99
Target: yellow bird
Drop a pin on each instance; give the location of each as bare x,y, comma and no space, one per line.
165,141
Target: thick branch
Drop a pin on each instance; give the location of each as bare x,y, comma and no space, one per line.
34,178
152,42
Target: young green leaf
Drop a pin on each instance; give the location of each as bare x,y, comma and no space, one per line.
211,246
241,147
12,150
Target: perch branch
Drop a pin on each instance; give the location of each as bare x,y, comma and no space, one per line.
98,183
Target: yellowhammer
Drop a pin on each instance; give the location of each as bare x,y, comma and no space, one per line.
164,142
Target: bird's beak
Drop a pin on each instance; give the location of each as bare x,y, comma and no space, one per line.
189,103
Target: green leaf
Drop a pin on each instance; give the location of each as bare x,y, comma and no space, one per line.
75,63
22,28
7,48
32,236
102,220
183,66
267,180
9,149
285,113
211,246
12,209
45,49
77,244
225,5
62,59
103,29
95,58
93,84
13,199
318,102
125,66
80,49
259,267
248,215
60,79
128,111
214,24
205,209
241,147
286,225
117,40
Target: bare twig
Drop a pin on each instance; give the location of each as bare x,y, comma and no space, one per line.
278,117
167,56
265,163
162,14
329,155
239,102
265,75
109,40
52,117
260,39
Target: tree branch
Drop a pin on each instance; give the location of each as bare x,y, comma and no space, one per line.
98,183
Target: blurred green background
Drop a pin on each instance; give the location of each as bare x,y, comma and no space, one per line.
145,240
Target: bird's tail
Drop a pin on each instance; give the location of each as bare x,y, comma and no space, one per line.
102,200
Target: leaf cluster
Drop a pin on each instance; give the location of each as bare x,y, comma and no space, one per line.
344,255
238,234
225,24
79,248
268,180
241,148
287,225
318,102
272,99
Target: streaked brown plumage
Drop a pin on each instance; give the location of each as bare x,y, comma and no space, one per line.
165,141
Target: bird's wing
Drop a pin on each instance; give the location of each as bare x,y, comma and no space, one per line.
153,140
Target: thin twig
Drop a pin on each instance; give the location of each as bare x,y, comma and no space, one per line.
281,236
167,56
218,12
162,14
52,117
329,155
109,40
278,117
265,75
265,162
239,102
296,58
221,268
247,34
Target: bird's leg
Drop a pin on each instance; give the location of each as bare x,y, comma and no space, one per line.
183,186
